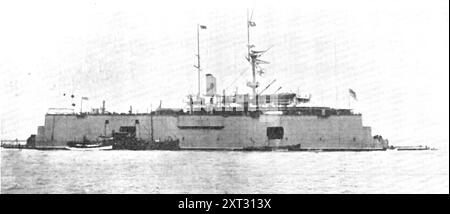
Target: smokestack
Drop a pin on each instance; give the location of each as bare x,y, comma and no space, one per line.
103,107
131,109
210,85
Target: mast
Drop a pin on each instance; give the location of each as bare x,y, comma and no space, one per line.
252,60
198,58
151,122
248,34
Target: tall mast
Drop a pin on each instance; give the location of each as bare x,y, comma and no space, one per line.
198,55
248,34
151,122
198,58
251,57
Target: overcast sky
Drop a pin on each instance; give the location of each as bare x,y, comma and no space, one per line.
393,54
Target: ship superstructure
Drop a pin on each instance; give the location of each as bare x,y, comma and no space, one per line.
213,101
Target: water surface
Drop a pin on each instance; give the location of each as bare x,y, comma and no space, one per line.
36,171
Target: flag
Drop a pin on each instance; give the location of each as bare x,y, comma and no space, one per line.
251,24
352,93
202,26
84,98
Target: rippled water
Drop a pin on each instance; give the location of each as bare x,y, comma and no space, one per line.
35,171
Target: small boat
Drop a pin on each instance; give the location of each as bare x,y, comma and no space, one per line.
296,147
92,147
87,145
412,148
279,150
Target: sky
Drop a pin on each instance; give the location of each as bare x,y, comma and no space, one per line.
393,54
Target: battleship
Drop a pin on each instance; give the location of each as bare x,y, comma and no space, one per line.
218,121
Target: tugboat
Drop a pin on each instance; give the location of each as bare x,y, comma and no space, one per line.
87,145
125,141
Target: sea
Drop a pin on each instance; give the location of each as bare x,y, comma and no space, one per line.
234,172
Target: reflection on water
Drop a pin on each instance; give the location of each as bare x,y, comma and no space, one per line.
35,171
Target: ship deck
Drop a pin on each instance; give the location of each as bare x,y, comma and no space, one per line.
299,111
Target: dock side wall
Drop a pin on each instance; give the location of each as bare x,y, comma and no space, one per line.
215,132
